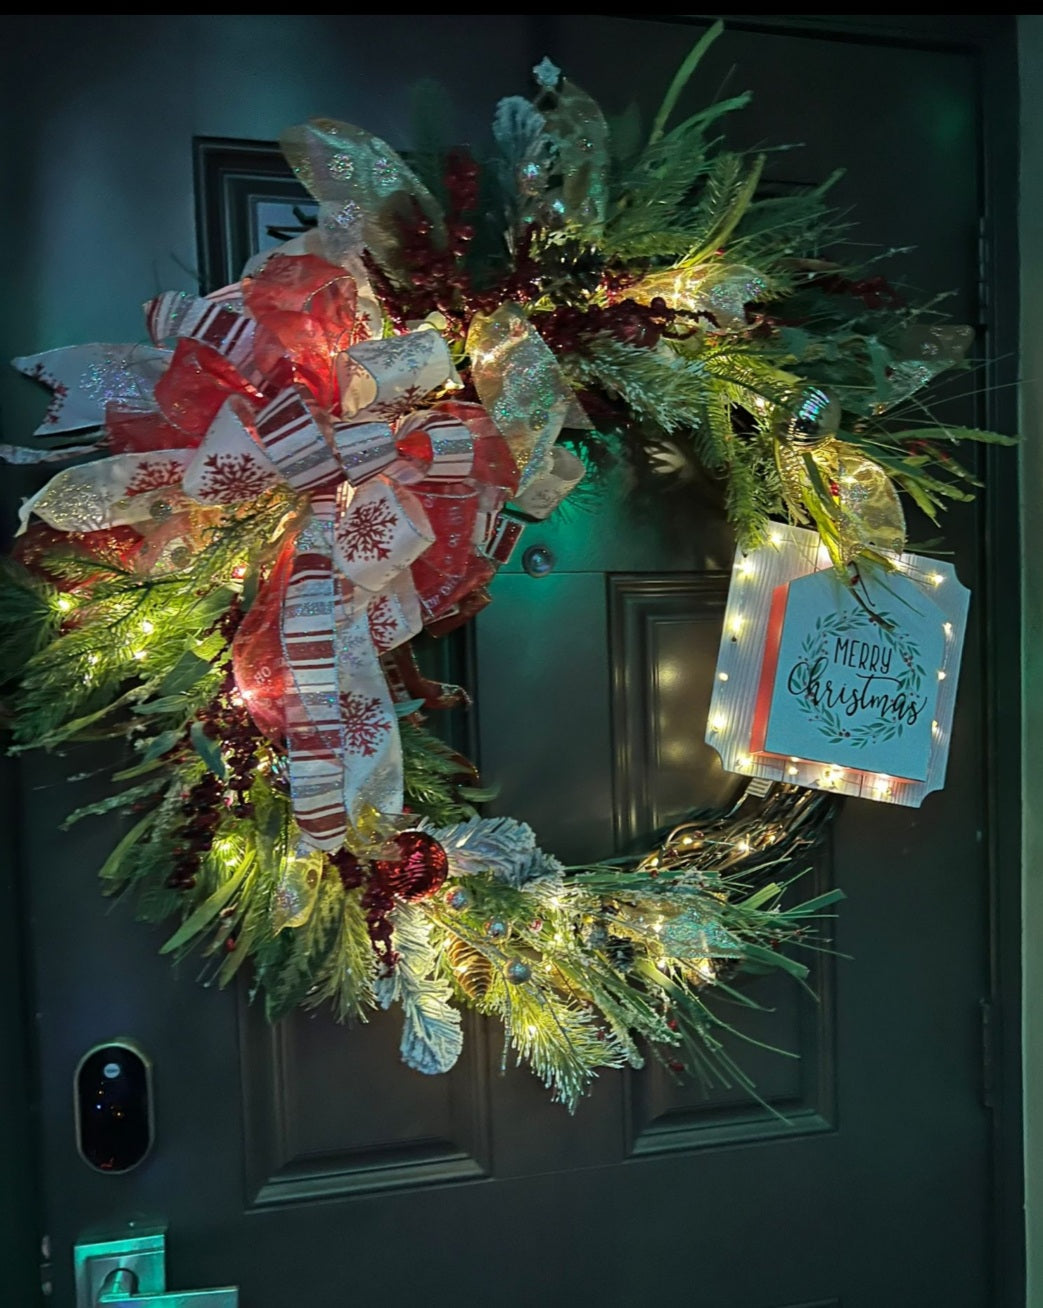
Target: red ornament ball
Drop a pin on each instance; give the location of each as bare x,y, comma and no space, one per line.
418,871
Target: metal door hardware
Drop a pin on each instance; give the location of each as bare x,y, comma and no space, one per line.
538,560
129,1269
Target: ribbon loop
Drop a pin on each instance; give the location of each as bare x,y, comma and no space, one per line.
380,529
387,378
519,384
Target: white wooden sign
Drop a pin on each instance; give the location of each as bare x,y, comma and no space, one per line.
849,688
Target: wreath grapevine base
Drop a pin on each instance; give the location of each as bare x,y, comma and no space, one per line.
301,473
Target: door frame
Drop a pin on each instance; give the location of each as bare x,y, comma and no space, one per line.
992,42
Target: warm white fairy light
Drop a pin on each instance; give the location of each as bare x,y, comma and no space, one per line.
936,578
718,722
736,624
941,674
148,627
947,628
882,786
746,568
742,762
776,538
64,603
139,654
722,676
792,770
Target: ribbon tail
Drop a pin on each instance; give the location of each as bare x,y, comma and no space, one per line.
314,728
373,771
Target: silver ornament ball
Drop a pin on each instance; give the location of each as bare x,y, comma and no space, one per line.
808,420
517,972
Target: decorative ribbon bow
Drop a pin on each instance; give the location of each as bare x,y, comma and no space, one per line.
403,492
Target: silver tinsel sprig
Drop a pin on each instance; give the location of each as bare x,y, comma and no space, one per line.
502,846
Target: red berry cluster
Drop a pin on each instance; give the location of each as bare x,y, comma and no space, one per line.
874,292
438,277
200,809
377,899
566,327
231,724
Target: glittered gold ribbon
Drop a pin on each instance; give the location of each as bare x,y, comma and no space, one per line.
520,385
362,185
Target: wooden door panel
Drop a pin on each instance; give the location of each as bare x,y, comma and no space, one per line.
351,1128
663,635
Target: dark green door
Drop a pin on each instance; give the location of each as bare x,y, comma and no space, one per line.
305,1164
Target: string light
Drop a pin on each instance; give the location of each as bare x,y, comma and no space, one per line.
941,675
718,722
722,676
147,627
792,770
947,628
746,568
64,603
139,654
936,578
776,538
736,624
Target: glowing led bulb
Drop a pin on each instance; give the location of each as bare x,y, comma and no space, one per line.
745,567
147,627
139,654
718,722
64,603
722,676
947,628
941,675
792,770
775,537
936,578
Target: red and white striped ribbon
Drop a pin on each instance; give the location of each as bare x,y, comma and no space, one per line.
231,334
314,724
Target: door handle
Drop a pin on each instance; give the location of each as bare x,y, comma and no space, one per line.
128,1269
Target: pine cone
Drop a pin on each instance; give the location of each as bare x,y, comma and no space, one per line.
472,971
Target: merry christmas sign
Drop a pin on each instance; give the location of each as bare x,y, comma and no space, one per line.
847,687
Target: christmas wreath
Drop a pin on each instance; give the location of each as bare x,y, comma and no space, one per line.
302,472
